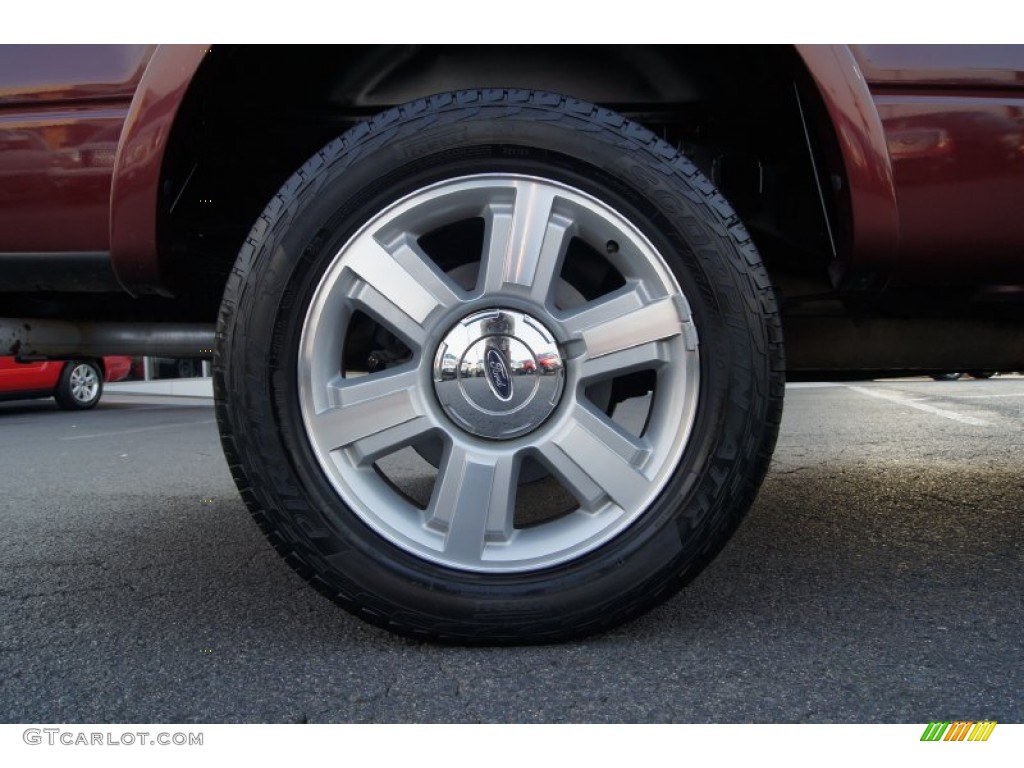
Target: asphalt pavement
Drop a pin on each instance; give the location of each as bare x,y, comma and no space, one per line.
878,578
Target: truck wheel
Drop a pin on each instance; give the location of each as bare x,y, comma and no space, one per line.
498,366
80,385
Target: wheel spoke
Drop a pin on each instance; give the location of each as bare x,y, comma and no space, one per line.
397,285
364,406
642,357
525,242
626,321
408,255
377,445
474,502
597,461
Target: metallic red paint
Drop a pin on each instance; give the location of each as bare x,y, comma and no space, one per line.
958,164
133,202
930,139
117,367
19,378
40,378
873,224
55,171
975,67
61,112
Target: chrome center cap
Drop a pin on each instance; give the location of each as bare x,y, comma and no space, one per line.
498,374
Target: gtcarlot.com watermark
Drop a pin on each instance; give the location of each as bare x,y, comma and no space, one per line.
69,738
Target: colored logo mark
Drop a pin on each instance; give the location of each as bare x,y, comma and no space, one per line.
498,376
959,730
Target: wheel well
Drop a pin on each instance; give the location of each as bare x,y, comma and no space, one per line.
97,361
254,114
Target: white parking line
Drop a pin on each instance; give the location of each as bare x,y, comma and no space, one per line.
985,397
895,397
140,429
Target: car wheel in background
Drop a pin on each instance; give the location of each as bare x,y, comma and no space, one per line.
498,366
188,369
80,385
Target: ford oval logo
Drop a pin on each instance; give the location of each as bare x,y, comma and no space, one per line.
498,375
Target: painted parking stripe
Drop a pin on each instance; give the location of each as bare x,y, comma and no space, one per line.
981,397
140,429
895,397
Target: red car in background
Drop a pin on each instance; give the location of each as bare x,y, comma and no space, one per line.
74,384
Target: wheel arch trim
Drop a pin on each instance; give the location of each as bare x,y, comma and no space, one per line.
137,167
874,226
874,216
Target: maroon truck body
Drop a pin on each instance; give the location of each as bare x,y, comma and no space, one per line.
931,165
146,191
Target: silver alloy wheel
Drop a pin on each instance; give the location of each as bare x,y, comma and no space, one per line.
353,421
84,383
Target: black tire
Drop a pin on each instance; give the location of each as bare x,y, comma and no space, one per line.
80,385
946,376
329,533
982,374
